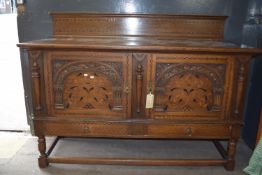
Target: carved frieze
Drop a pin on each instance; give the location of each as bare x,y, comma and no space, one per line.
171,26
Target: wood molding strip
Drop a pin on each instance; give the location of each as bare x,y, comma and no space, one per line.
171,26
141,162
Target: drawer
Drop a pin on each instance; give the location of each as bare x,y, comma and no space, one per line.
125,130
83,129
200,131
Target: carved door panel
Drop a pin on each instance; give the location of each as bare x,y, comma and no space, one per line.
88,84
196,87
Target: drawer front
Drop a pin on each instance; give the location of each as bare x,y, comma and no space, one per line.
87,84
191,87
190,131
83,129
132,130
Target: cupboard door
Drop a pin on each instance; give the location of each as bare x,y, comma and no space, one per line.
196,87
88,84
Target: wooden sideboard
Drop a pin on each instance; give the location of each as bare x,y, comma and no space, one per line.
97,74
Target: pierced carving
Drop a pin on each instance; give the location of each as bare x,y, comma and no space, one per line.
113,70
87,85
87,91
189,87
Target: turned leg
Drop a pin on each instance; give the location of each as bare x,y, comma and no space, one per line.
231,150
42,160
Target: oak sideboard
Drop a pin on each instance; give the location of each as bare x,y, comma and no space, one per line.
153,76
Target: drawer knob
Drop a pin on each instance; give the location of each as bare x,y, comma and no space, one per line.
189,132
86,129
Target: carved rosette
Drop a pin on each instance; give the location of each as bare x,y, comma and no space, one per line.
189,87
87,85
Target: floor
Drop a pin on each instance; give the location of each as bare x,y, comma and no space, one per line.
24,162
12,105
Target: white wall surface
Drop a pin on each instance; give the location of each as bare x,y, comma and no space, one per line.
12,106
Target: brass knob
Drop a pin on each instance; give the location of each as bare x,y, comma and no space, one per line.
189,132
126,88
150,86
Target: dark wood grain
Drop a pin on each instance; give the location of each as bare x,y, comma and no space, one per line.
172,26
137,162
241,79
231,150
42,160
140,44
35,72
139,82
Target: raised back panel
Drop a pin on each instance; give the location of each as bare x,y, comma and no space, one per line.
171,26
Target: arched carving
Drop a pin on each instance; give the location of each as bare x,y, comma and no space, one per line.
189,87
112,70
87,85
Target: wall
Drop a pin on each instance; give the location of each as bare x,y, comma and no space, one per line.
35,23
252,36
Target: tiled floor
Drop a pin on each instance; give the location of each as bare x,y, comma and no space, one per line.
10,143
25,161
